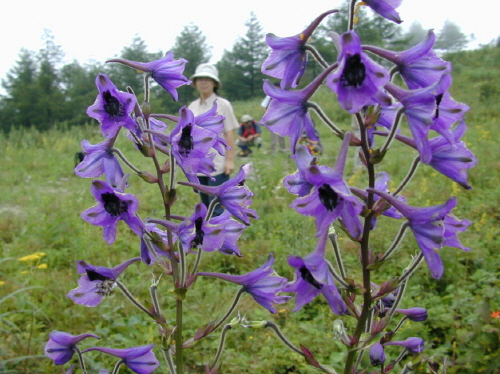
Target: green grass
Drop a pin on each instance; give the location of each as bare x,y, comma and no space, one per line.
41,201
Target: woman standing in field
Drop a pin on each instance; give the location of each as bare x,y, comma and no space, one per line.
207,83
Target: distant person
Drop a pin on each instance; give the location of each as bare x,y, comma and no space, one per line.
275,138
249,135
207,83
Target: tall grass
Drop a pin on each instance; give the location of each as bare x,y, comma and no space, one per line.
41,201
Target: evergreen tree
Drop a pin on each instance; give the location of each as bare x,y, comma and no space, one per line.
51,100
451,38
240,68
20,105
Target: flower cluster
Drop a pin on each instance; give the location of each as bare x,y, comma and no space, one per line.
175,243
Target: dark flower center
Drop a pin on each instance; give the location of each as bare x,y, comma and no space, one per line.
113,205
354,72
328,197
112,105
308,277
93,275
198,238
438,102
186,143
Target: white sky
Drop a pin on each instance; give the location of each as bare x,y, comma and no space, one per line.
99,29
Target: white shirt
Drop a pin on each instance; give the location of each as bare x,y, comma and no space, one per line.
225,109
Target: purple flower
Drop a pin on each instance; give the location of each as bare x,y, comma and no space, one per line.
112,108
419,66
288,112
96,282
214,123
313,277
232,232
414,314
419,107
196,232
358,80
452,160
432,227
263,284
288,57
448,111
140,360
190,146
234,195
377,354
112,207
413,345
166,71
100,159
386,8
62,345
323,193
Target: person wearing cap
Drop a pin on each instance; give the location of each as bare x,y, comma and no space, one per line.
207,83
248,135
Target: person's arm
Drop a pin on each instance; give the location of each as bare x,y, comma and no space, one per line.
229,166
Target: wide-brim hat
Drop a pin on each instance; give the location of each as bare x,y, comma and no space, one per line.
206,71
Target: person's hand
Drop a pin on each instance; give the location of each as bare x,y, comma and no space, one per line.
229,167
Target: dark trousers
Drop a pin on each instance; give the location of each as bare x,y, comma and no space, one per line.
206,199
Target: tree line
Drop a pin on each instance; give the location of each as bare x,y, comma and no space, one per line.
41,92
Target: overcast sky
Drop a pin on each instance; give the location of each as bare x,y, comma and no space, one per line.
98,30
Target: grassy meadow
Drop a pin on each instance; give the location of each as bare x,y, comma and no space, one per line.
42,235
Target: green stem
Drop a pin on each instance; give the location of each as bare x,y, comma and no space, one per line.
316,55
221,345
408,177
396,241
129,296
179,354
80,360
117,366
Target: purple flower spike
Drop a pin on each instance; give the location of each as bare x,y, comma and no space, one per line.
112,108
413,345
166,71
263,284
414,314
432,227
99,159
234,195
377,354
313,277
386,8
419,66
190,146
62,345
96,282
288,57
358,80
140,360
324,194
112,207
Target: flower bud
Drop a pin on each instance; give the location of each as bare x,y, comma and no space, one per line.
413,345
377,354
414,314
